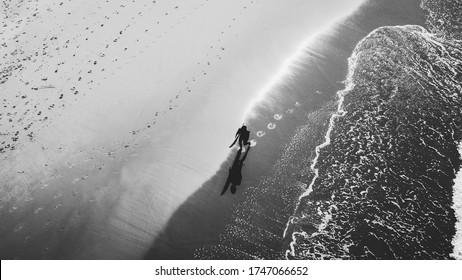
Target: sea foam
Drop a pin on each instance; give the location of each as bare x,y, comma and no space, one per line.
457,206
339,113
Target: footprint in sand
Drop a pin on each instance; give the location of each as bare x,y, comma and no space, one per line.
278,117
253,143
261,133
271,126
289,111
18,228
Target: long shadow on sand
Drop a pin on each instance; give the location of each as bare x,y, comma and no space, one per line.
195,223
235,172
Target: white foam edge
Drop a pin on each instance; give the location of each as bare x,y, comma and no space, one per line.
457,206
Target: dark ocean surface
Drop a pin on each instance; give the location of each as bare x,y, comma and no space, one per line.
384,184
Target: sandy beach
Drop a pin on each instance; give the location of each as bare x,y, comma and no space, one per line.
115,113
117,117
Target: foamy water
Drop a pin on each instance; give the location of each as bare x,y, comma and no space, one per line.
340,112
326,215
457,206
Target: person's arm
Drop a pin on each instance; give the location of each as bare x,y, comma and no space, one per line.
234,142
238,132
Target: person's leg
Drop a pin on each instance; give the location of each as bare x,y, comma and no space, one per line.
246,141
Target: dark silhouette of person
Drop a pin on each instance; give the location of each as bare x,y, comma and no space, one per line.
243,135
235,172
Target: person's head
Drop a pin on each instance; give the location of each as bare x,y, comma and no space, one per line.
244,126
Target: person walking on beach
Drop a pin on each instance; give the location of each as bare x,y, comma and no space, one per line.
243,135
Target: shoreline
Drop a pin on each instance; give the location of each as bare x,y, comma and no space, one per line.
260,188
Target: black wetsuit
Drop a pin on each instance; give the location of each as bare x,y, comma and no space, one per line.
244,135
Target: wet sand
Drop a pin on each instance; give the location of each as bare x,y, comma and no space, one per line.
250,223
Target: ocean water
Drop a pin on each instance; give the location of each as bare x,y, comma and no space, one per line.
384,184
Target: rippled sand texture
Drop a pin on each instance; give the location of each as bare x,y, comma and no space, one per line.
384,184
